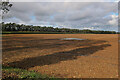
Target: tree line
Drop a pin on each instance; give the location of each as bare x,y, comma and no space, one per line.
31,28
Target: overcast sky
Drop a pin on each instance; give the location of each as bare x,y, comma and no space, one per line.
78,15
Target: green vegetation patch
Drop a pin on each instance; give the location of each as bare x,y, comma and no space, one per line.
16,73
30,32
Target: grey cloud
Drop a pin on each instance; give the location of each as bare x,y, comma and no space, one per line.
69,14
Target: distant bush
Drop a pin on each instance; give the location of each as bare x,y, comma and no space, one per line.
21,28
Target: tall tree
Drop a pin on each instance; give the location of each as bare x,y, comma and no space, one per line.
4,6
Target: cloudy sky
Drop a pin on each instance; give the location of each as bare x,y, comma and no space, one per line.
64,14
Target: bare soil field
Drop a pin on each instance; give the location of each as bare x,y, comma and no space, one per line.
95,57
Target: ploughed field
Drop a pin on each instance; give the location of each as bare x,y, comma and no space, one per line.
94,57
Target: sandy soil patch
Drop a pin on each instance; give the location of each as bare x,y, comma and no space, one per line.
95,57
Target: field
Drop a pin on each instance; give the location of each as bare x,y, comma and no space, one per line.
95,57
